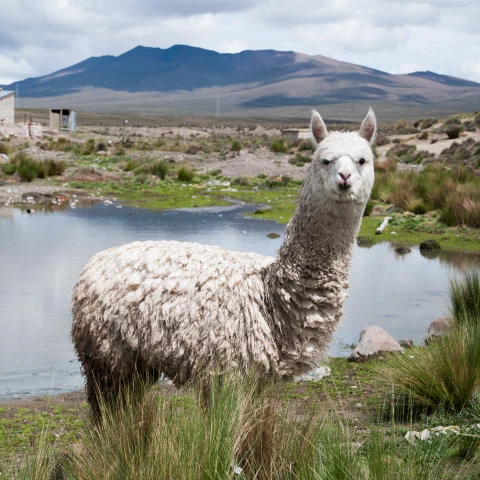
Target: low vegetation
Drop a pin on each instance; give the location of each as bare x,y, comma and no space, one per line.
447,372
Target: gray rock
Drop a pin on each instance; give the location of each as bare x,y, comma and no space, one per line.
374,341
4,158
437,328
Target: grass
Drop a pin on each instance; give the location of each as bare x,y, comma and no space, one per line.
447,372
185,173
244,435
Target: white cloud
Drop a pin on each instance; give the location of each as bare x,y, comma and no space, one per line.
40,37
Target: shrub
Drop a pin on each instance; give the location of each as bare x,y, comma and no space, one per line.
3,149
462,206
368,208
306,145
244,181
89,147
236,146
185,173
423,136
54,167
428,122
453,131
101,147
141,178
9,168
215,172
160,169
29,169
279,146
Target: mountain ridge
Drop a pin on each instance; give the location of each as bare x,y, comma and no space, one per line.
253,80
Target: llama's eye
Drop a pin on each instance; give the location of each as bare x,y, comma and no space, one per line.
361,161
325,161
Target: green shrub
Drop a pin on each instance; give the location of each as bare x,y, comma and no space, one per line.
368,208
214,173
279,146
89,147
3,149
54,167
29,169
9,168
160,169
236,146
185,173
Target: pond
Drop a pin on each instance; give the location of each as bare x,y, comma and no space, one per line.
41,256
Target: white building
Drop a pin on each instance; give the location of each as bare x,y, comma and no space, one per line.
7,107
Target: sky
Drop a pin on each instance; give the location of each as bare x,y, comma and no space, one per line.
40,37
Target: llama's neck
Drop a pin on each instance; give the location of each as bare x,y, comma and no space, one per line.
305,285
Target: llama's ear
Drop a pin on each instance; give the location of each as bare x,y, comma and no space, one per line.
369,127
319,130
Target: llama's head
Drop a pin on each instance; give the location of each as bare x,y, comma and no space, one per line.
342,166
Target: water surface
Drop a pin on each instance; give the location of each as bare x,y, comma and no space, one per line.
42,254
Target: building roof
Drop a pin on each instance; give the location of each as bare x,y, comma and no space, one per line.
5,93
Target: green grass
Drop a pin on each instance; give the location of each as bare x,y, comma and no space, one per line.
447,372
243,435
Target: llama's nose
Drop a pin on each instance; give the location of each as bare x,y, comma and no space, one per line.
345,175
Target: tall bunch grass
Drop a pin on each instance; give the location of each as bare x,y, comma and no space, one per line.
241,435
447,372
465,299
185,173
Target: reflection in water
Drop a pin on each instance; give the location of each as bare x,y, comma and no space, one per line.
41,256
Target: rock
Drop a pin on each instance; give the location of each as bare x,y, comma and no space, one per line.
4,158
273,235
315,375
373,342
437,328
402,250
430,245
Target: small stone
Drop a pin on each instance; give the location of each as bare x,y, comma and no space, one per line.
273,235
438,328
374,341
402,250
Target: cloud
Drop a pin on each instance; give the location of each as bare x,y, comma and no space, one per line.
41,37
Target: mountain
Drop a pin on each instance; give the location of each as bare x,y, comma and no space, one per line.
184,79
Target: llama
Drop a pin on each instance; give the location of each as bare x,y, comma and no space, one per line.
183,309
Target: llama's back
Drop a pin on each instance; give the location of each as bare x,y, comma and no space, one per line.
178,306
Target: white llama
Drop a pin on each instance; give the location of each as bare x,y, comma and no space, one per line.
181,309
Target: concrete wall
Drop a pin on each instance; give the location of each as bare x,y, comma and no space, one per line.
7,109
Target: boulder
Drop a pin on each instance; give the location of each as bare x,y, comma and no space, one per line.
430,245
374,341
402,250
438,328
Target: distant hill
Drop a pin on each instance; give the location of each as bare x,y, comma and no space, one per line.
184,79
